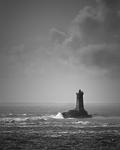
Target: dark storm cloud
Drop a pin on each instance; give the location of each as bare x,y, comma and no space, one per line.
94,36
109,3
100,24
102,56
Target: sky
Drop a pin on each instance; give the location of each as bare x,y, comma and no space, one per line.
49,49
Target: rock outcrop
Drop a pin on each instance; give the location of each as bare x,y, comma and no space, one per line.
79,111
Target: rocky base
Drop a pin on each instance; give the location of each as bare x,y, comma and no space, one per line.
76,114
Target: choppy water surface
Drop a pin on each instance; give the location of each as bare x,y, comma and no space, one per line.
29,131
30,120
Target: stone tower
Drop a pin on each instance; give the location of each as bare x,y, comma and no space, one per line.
79,111
79,101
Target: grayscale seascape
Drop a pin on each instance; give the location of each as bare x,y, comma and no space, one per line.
59,74
36,130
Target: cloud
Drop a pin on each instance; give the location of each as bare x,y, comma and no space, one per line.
102,56
99,24
57,36
73,42
111,4
94,37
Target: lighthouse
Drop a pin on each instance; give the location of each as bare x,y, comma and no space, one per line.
79,101
79,111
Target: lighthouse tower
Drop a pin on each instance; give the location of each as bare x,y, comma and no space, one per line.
79,111
79,101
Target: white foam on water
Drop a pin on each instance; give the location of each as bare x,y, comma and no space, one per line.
31,118
105,117
58,116
24,114
105,125
10,114
96,121
82,122
10,119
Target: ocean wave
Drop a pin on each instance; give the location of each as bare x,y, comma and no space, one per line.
105,117
82,122
58,120
11,120
58,116
24,118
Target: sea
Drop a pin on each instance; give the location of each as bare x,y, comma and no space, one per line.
42,126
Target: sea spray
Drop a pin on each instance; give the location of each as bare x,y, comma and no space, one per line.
58,116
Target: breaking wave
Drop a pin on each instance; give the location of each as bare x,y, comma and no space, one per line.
25,118
58,119
82,122
58,116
